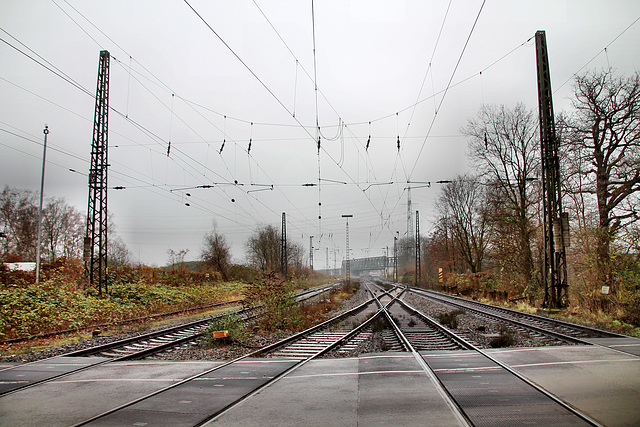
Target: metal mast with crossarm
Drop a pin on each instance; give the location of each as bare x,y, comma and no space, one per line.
95,241
418,254
556,233
283,247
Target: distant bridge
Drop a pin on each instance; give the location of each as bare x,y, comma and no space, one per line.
361,265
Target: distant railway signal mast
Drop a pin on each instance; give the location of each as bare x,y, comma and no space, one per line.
284,260
95,241
348,265
418,254
556,232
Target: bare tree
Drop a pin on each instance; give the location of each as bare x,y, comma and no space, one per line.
19,222
118,252
504,145
295,254
62,228
603,137
264,246
216,252
463,203
176,258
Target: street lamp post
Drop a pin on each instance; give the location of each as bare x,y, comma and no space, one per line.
348,266
44,161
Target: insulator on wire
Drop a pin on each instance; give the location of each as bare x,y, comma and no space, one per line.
398,143
486,142
318,145
249,149
169,149
368,142
222,146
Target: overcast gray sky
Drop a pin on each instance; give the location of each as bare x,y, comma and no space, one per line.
198,73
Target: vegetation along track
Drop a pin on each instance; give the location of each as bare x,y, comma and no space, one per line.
544,329
246,375
137,347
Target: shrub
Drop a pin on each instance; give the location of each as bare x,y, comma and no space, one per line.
505,339
276,302
631,310
450,319
230,322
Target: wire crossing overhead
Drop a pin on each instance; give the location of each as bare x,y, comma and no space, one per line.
97,218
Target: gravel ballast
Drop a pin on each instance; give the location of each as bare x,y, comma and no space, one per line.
480,332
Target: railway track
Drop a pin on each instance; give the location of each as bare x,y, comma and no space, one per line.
132,348
121,322
481,390
545,329
247,375
486,392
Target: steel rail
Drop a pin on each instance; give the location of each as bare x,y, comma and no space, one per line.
120,322
139,338
545,319
553,397
554,334
256,353
301,363
456,409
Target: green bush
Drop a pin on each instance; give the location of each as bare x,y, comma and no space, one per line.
631,310
27,309
450,319
230,322
506,339
276,302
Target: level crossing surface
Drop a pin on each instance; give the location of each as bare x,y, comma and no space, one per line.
386,387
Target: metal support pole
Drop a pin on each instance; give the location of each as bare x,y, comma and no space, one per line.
44,162
555,266
97,218
326,257
348,266
311,252
418,255
395,258
386,263
284,259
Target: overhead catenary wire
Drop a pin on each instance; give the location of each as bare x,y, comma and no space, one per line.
597,54
71,81
464,48
141,127
342,128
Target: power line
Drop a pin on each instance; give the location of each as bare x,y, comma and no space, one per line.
52,68
447,88
49,67
597,54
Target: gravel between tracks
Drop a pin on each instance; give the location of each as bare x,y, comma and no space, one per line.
480,332
198,352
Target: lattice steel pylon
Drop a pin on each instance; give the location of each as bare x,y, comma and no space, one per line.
97,219
283,247
395,258
555,261
348,264
418,254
